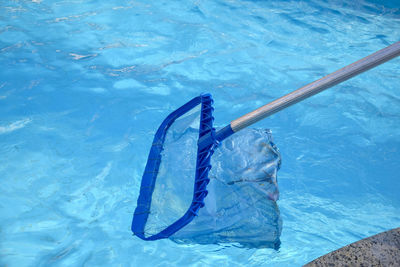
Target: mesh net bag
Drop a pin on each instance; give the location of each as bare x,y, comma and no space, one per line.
236,199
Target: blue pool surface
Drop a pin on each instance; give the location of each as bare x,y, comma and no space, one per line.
85,84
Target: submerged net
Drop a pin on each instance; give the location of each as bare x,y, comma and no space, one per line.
241,202
173,191
242,191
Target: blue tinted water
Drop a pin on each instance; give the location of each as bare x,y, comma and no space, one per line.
84,85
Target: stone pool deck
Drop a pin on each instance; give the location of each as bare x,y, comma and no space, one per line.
379,250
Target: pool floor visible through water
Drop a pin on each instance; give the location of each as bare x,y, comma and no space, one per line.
85,84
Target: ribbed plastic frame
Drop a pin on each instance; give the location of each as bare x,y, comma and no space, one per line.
203,167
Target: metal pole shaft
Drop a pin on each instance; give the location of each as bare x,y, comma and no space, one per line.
313,88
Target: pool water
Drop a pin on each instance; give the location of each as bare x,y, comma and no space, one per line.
85,84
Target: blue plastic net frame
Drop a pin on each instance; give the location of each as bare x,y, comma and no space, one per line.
203,167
